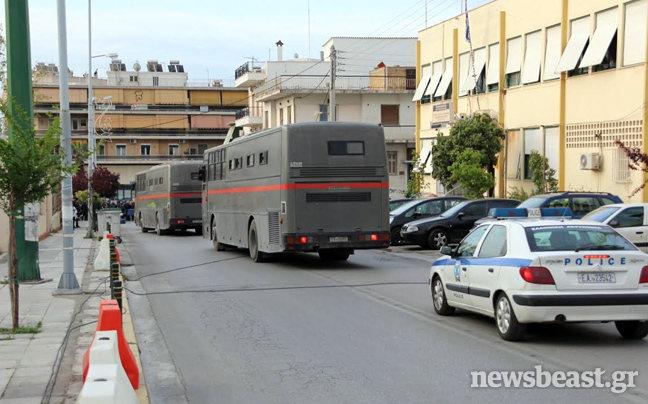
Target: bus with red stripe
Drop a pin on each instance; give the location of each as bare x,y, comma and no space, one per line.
168,197
307,187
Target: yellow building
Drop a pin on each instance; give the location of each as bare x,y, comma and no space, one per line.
564,77
143,117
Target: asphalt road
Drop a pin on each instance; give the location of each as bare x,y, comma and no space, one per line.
297,330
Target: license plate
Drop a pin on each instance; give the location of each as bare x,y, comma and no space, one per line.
534,212
338,239
596,277
197,221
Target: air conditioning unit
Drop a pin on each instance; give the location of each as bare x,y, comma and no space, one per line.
182,141
590,161
133,141
461,116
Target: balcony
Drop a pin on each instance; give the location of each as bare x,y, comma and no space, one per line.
400,134
136,159
250,117
248,75
308,84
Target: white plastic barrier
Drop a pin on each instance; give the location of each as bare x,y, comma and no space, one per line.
102,262
106,382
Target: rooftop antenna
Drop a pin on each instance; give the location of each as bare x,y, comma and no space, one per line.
253,59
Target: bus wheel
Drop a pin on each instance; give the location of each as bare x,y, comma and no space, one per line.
253,244
217,246
334,255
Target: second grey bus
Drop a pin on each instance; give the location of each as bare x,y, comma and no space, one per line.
311,187
168,196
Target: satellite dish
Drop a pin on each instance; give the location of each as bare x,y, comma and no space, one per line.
137,67
296,55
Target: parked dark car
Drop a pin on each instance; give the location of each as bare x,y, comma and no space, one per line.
394,203
580,203
452,225
418,209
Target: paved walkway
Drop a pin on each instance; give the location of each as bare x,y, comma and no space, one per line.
30,369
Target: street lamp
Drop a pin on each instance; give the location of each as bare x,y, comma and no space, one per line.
91,121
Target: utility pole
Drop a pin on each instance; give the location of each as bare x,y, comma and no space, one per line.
68,281
91,129
332,96
19,88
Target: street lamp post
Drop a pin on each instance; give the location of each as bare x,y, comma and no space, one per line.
91,123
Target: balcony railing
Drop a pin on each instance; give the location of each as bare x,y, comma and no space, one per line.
247,68
150,157
342,83
254,112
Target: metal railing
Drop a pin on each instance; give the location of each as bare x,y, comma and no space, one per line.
150,157
254,112
247,67
323,83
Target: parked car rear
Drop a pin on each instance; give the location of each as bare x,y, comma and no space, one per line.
418,209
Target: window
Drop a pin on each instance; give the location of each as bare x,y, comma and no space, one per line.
476,78
492,78
201,148
621,167
289,114
568,238
120,149
323,113
494,244
281,116
133,79
250,160
476,209
102,150
634,35
426,75
145,150
631,217
469,244
75,124
558,203
552,53
391,162
83,123
532,56
445,85
513,61
389,115
437,73
266,119
575,48
532,142
602,49
156,81
584,205
342,148
464,63
174,150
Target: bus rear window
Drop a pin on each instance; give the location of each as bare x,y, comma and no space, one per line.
344,148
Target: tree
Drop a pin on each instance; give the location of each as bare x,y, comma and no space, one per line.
543,183
31,168
415,182
469,173
104,182
480,133
638,162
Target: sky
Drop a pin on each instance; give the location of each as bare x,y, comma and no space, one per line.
212,38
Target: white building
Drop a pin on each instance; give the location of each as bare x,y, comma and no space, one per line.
375,81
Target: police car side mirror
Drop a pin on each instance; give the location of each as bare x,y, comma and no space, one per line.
446,250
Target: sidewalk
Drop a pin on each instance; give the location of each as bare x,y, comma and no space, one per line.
29,370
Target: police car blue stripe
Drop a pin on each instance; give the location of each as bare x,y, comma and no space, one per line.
506,262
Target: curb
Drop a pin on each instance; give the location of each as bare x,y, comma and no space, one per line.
131,338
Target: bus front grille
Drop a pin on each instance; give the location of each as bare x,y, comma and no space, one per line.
339,197
328,172
274,236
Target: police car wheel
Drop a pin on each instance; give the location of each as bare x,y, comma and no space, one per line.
439,300
508,326
437,239
632,329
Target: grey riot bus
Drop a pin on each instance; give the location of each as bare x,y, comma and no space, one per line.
167,197
310,187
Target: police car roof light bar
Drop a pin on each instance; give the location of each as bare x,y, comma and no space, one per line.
504,213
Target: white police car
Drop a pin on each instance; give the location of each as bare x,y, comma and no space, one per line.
536,270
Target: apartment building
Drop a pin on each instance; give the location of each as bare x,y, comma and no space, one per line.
144,116
375,81
564,77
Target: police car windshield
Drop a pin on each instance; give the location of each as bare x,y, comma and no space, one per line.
534,202
600,214
575,238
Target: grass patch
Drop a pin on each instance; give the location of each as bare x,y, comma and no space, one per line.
22,330
6,338
4,282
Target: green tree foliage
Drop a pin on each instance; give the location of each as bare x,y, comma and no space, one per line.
467,171
415,183
480,133
543,183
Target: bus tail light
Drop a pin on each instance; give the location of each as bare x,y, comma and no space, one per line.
644,275
179,221
381,237
297,240
537,275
